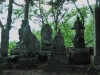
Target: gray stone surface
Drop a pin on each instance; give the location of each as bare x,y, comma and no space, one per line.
79,56
58,60
30,43
46,37
5,62
44,53
58,47
27,61
58,55
95,60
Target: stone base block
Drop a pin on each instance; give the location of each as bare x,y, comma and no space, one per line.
44,53
79,56
58,60
6,62
14,52
27,61
95,60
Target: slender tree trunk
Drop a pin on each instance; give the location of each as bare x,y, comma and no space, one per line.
26,10
5,31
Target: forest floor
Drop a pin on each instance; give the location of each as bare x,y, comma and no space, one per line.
53,70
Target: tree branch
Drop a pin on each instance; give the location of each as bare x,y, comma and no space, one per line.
2,27
90,7
88,42
18,4
80,13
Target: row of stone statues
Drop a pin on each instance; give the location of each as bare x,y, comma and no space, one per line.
54,49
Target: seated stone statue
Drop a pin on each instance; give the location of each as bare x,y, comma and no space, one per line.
58,46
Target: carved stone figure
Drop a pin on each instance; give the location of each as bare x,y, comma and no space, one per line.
58,46
78,40
30,42
46,37
24,23
58,51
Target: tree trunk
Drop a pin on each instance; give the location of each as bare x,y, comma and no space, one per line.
26,10
5,32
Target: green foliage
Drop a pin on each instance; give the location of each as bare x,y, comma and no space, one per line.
11,46
37,33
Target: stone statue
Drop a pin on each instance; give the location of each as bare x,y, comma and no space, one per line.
30,43
78,40
24,23
58,51
46,37
58,46
78,26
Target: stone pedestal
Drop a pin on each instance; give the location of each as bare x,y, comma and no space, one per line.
79,56
6,62
14,52
43,55
58,60
27,61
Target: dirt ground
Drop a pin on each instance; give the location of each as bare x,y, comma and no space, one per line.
53,70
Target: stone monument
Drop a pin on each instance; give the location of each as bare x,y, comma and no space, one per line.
58,55
29,48
80,54
78,40
46,38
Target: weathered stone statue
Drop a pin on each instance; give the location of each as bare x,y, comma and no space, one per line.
29,47
79,55
78,40
46,37
30,41
20,32
58,51
58,46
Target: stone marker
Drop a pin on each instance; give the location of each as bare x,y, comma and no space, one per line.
80,54
29,47
78,40
58,51
46,38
